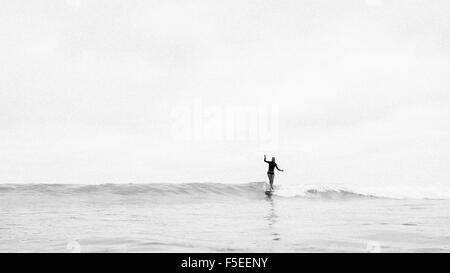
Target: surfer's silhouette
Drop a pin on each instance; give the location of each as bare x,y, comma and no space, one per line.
271,170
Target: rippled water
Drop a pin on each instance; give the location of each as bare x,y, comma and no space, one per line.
208,217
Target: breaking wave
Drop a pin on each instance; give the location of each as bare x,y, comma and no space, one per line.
218,189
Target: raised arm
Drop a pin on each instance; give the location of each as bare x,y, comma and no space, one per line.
265,159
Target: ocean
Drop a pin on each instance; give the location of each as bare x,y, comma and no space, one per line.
214,217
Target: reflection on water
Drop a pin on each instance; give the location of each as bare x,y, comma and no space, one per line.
272,218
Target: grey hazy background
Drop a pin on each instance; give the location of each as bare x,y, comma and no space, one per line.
87,89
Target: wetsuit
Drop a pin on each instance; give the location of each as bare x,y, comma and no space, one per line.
272,167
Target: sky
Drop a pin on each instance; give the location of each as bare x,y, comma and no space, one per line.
158,91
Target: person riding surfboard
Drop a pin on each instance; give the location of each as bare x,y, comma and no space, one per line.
271,170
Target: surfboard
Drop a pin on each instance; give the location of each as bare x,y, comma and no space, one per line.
267,189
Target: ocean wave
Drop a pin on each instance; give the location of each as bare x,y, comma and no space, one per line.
321,192
220,189
340,191
160,189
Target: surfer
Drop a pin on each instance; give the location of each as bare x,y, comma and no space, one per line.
270,171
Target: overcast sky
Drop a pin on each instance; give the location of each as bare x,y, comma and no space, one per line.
88,90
